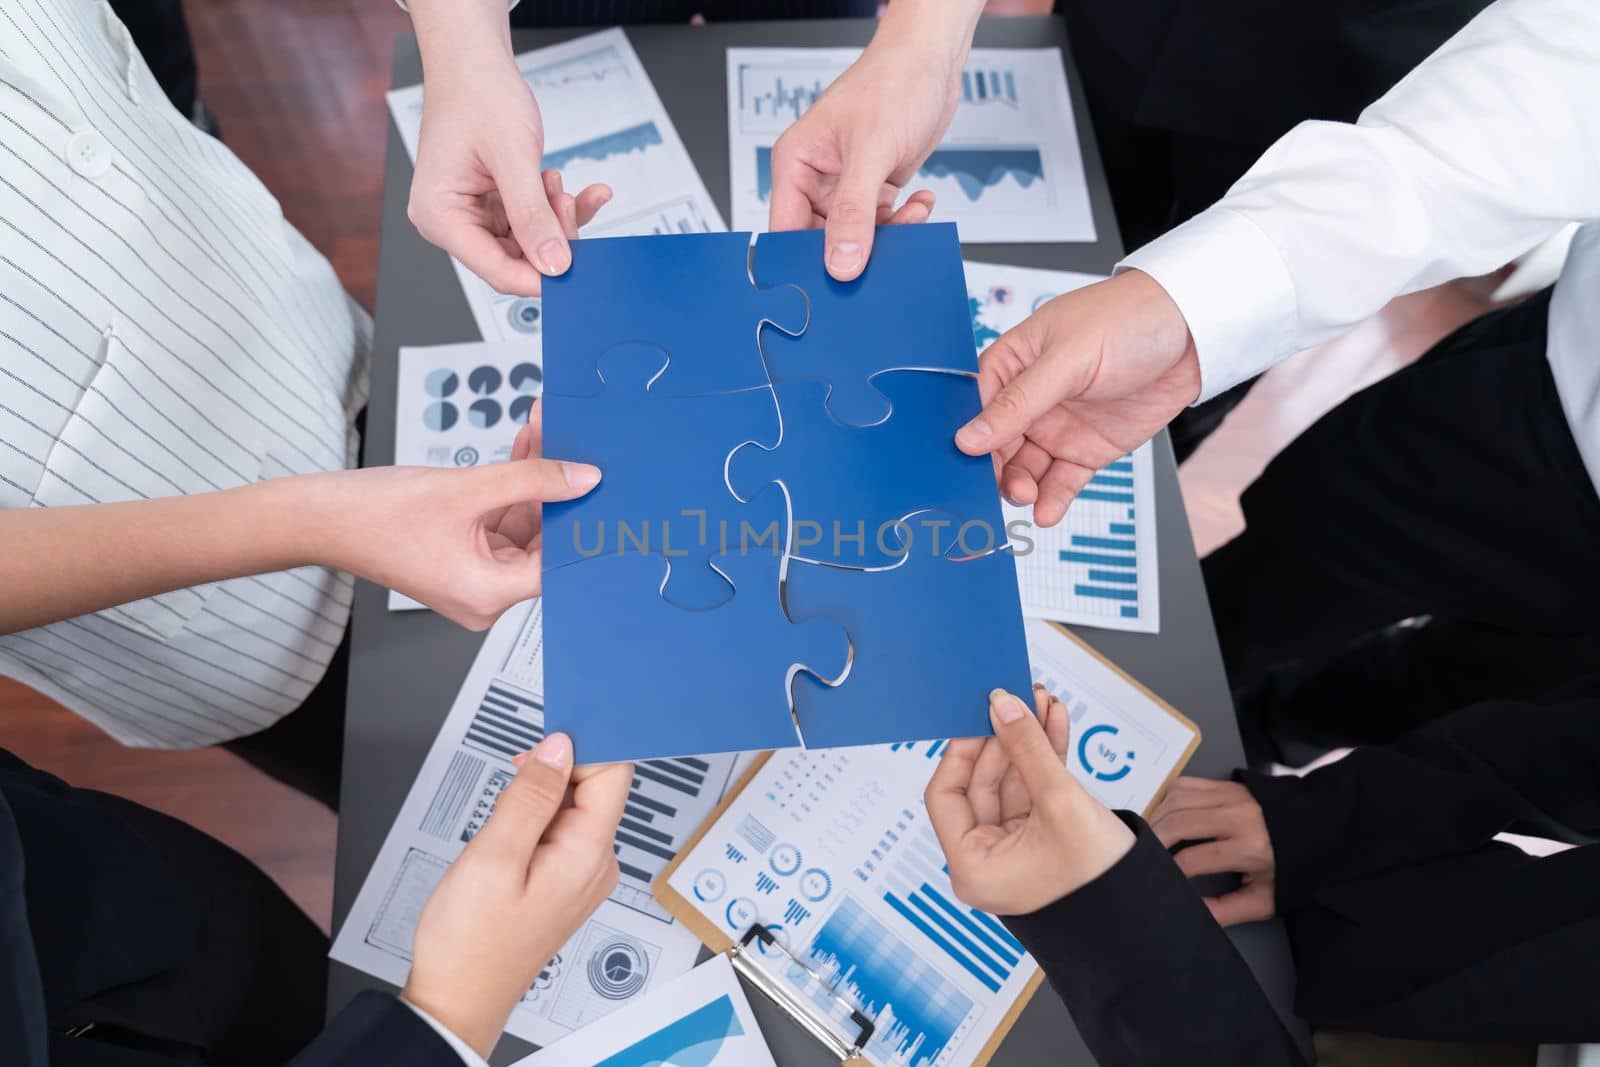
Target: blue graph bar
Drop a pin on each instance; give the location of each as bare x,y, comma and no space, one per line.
1098,558
1129,611
932,935
1117,480
995,928
1106,594
1110,498
1131,577
1116,544
1122,528
968,924
1123,465
960,937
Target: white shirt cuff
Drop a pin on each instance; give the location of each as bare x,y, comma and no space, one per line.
462,1049
1234,291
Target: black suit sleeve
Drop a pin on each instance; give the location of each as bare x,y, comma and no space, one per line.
376,1028
1148,975
1442,790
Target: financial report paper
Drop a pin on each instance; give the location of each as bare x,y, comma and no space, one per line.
631,945
1099,566
699,1020
1009,169
603,123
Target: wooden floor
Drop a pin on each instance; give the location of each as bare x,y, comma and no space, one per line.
297,86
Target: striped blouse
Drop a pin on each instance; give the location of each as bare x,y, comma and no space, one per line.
163,330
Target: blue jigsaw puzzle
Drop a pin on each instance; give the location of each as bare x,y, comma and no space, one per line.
682,613
900,313
627,675
849,486
929,638
663,491
690,294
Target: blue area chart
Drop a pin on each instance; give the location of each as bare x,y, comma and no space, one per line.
917,1009
973,169
978,169
696,1040
639,138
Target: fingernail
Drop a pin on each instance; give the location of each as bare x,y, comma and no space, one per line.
581,476
1005,708
554,751
552,258
1038,687
844,257
974,433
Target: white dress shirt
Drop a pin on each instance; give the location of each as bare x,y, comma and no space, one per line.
163,330
1490,146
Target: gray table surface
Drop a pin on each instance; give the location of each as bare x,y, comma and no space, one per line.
405,668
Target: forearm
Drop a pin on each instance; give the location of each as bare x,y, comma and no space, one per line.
1458,781
1148,975
58,563
460,35
935,30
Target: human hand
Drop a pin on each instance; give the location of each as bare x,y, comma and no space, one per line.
848,158
477,191
468,543
1091,375
1018,831
1225,818
520,889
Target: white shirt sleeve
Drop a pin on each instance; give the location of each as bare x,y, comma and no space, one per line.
462,1049
1488,147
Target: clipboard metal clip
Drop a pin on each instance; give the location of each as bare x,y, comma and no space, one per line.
743,960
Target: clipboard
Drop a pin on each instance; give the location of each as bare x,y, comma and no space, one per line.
739,952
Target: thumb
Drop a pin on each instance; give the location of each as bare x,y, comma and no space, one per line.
521,481
526,806
534,222
852,214
1060,373
1027,745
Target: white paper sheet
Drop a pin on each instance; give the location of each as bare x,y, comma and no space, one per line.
1124,745
460,406
1008,170
631,945
1099,565
603,123
701,1019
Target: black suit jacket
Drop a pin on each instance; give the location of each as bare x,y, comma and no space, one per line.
1148,975
89,910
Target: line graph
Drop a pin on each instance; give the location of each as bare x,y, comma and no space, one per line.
593,66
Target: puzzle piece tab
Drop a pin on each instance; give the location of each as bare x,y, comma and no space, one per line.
662,491
629,676
929,638
849,485
908,309
691,294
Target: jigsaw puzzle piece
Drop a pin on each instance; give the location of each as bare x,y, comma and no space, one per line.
930,638
629,676
849,485
662,492
689,293
908,309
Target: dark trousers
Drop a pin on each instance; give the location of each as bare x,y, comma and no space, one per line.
1451,489
251,994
